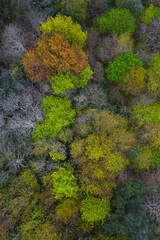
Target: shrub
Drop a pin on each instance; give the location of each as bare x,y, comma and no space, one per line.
64,183
58,115
134,81
117,69
95,209
116,20
65,26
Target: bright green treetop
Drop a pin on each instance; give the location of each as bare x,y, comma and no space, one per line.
62,82
117,69
65,26
58,115
116,21
95,209
64,183
146,114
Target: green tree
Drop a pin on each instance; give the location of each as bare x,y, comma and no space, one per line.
149,14
62,82
116,21
58,115
20,200
145,158
134,81
117,69
64,183
129,217
144,114
100,154
154,74
66,209
95,209
64,25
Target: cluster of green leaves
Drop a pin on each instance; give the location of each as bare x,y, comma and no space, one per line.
116,20
99,155
154,74
21,199
64,183
145,159
65,26
62,82
149,14
95,209
146,114
58,115
99,143
117,69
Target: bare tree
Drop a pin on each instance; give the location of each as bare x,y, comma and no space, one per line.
152,206
21,3
91,96
36,17
150,36
12,43
15,40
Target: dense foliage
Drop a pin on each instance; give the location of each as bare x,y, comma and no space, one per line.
117,69
80,120
65,26
116,20
58,113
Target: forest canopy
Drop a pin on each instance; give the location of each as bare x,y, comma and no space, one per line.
80,120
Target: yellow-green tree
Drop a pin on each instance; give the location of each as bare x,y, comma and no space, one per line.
100,155
134,81
154,74
64,25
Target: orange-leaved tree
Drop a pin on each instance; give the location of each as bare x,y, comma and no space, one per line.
53,54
